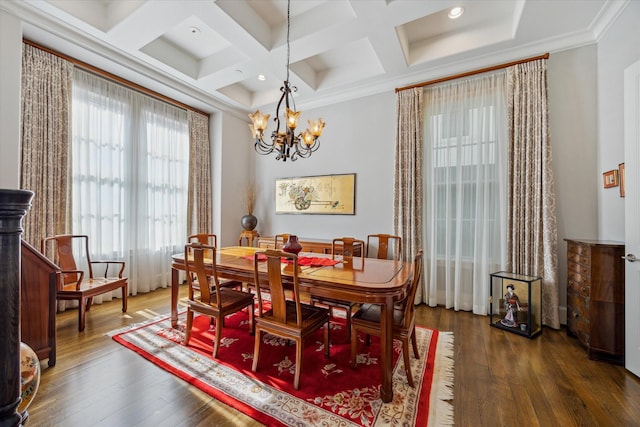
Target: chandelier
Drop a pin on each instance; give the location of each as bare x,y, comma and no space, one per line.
285,143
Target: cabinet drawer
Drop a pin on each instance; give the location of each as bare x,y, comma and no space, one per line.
579,259
579,287
582,270
575,248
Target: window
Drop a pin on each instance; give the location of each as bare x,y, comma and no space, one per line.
465,189
130,159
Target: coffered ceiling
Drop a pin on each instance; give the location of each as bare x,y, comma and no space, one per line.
214,50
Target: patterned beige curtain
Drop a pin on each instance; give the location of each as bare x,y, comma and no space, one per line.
46,109
408,188
199,204
532,236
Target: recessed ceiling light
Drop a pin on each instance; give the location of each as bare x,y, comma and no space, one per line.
262,77
194,30
456,12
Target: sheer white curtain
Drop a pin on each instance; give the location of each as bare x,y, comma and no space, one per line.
130,159
465,168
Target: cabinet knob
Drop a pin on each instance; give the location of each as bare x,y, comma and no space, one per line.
583,289
575,314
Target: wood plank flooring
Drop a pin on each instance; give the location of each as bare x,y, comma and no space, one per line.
501,379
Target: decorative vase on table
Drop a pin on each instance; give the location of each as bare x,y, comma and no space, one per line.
292,245
249,222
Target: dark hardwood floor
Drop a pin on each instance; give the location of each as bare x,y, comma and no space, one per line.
501,379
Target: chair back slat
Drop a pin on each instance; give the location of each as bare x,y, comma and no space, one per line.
276,285
199,253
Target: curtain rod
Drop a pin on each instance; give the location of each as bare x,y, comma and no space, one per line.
115,78
471,73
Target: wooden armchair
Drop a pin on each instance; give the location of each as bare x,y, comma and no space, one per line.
211,300
348,250
72,284
286,318
367,319
384,246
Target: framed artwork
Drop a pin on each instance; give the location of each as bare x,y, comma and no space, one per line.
610,178
621,173
322,194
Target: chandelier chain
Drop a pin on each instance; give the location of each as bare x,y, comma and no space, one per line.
288,31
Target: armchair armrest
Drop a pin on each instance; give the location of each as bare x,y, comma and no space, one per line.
78,282
106,270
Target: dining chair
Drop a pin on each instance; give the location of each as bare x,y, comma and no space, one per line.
211,239
72,284
212,300
383,246
348,247
286,318
367,319
279,240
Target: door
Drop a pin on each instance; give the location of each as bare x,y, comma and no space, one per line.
632,216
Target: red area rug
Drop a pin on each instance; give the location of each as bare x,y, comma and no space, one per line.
331,392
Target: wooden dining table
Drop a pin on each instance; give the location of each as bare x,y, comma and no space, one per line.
359,280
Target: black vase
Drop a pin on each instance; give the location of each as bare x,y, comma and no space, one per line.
249,222
292,246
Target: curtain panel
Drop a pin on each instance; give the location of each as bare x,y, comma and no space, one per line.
45,163
465,204
408,185
532,237
200,199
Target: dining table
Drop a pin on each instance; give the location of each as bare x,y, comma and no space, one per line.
352,279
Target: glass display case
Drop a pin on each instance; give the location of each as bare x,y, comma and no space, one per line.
515,303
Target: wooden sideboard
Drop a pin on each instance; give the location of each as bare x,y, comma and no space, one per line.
38,303
308,245
595,297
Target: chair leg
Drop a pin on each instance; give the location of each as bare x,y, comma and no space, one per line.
125,294
187,333
296,378
348,324
256,349
252,324
407,361
82,307
216,340
416,353
327,341
354,345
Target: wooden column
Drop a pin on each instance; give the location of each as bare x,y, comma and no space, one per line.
14,204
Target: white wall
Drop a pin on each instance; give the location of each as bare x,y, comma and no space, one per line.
618,48
233,169
359,138
571,77
10,83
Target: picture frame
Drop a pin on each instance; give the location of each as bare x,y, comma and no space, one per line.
320,194
610,178
621,173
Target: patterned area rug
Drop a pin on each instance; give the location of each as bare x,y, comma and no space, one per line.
331,391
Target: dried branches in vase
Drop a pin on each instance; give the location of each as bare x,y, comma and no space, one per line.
249,221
